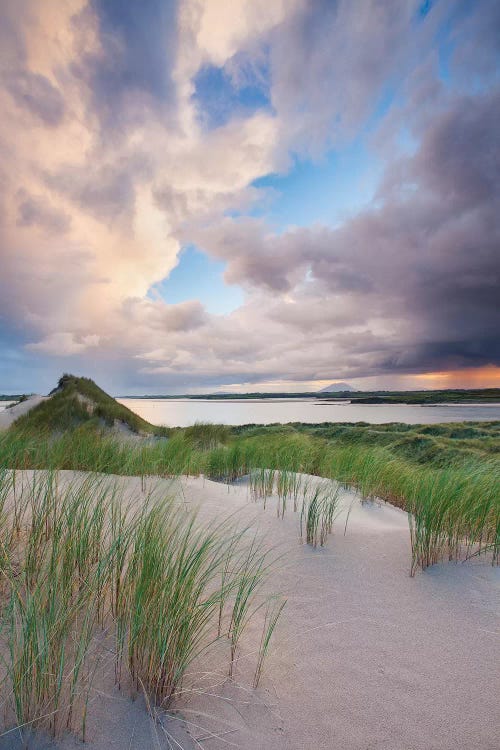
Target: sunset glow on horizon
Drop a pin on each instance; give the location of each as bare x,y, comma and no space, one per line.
480,377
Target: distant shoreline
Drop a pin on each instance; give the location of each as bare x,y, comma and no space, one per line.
455,397
472,397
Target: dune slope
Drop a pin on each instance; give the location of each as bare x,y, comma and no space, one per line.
9,416
364,657
77,401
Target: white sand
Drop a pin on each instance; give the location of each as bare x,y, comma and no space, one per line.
364,657
7,416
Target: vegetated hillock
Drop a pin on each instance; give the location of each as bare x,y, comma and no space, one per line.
430,398
438,446
206,436
77,402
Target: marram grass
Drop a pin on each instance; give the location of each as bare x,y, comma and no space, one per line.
80,566
450,488
319,502
87,574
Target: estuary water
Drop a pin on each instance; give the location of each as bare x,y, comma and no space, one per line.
183,412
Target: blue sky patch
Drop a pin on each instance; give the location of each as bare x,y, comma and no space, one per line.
322,192
218,99
197,276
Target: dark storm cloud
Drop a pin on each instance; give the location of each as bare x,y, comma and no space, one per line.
427,261
460,156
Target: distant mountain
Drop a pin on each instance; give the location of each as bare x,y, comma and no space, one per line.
337,388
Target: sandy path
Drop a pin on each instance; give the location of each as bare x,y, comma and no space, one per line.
364,658
7,416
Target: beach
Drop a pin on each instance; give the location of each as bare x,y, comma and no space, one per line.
363,657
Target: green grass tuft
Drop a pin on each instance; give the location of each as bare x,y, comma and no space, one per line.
87,575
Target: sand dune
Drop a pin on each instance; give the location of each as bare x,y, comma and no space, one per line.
7,416
364,657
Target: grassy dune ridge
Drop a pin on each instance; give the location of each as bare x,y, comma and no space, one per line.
446,476
76,401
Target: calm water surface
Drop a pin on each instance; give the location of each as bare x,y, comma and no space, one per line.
184,412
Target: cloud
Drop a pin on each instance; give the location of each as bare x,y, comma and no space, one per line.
331,66
104,191
110,164
127,72
161,318
37,94
63,344
34,210
419,272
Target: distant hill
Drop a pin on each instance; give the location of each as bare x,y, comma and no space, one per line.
337,388
79,401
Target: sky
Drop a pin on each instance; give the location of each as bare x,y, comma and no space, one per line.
241,195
